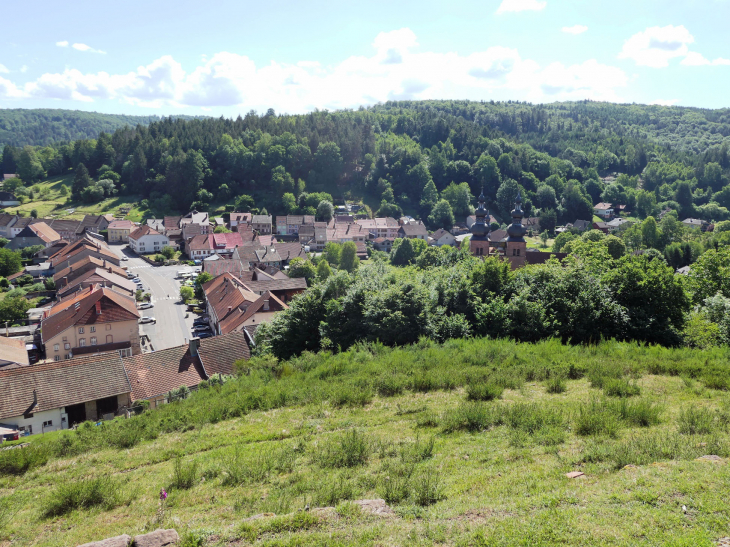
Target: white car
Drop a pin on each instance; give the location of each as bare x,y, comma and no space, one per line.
124,258
147,319
146,306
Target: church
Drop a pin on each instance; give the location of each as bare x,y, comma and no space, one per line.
513,247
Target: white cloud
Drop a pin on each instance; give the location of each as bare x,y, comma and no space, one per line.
84,47
24,68
3,69
521,5
655,46
575,29
63,43
697,59
232,83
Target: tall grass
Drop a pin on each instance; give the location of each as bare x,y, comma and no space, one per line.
101,492
184,475
348,449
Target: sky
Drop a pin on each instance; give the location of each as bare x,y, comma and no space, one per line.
227,57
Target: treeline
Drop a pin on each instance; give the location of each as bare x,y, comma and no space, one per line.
446,293
428,159
44,126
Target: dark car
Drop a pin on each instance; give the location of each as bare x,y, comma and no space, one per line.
205,335
200,321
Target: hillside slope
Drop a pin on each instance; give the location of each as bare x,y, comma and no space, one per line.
469,443
43,126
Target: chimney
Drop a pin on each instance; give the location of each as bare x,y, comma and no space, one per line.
230,308
70,269
98,307
64,281
193,346
110,269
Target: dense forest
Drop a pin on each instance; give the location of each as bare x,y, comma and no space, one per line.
425,158
43,126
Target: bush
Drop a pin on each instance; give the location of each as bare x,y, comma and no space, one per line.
556,384
696,421
640,413
184,476
20,460
258,466
484,391
83,494
596,419
287,523
427,488
472,417
331,492
620,387
346,450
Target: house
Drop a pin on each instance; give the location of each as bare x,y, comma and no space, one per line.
34,234
603,210
342,233
532,223
19,225
13,353
291,224
413,230
145,240
97,277
198,223
215,265
199,247
618,224
696,223
157,224
237,219
47,252
384,244
582,225
259,255
314,236
93,224
119,230
380,227
172,225
6,223
602,226
8,200
56,395
68,274
442,237
226,243
283,289
67,229
231,305
85,247
154,375
94,320
261,224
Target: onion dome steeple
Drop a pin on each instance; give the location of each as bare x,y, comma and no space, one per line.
516,230
480,228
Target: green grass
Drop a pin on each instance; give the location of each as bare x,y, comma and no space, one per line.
324,430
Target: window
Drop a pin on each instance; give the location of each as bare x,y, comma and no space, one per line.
67,356
126,352
55,347
93,340
81,330
56,357
92,329
82,342
65,338
109,339
108,326
49,423
66,346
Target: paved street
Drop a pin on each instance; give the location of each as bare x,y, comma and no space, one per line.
172,328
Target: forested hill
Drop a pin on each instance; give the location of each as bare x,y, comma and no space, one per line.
42,126
554,127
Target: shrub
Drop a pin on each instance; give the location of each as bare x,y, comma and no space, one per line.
346,450
641,413
258,466
556,384
418,451
184,476
82,494
20,460
484,391
696,421
427,488
331,492
390,385
596,419
352,396
294,522
471,417
620,387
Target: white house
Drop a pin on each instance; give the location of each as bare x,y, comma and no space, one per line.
145,240
442,237
8,200
603,210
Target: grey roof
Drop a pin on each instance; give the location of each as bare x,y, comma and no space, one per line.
261,219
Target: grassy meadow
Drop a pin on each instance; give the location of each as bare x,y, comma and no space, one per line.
468,442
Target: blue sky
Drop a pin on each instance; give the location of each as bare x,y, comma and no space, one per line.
228,57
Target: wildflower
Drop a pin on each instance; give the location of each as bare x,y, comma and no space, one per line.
163,495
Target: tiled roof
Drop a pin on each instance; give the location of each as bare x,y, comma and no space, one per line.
61,383
13,349
143,231
223,265
438,234
276,284
227,241
274,305
218,353
98,247
6,219
91,221
45,232
156,373
230,298
98,275
414,229
288,250
240,217
261,219
79,266
22,222
201,242
172,222
121,225
81,310
62,225
7,196
497,235
602,206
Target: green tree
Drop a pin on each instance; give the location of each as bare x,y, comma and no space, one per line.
441,216
713,176
650,233
459,197
244,203
429,197
289,203
348,259
506,196
186,293
10,262
683,196
30,168
548,220
487,174
332,253
299,267
201,280
325,211
14,308
616,247
168,252
389,210
323,270
709,276
82,180
221,230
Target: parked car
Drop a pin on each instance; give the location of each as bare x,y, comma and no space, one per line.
205,335
201,327
146,305
200,321
130,275
136,279
124,258
197,310
147,319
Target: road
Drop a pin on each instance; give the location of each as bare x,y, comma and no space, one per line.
172,328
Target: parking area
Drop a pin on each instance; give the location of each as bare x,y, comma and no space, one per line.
171,328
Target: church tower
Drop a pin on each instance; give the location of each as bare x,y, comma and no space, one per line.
516,245
479,242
